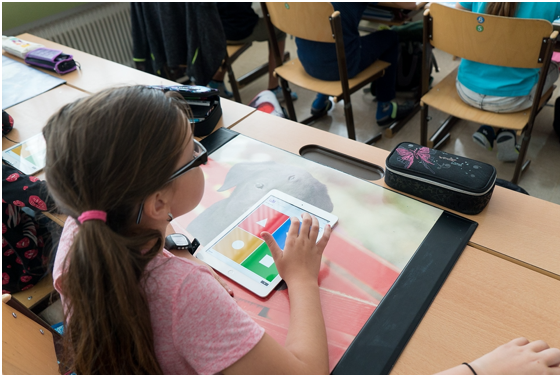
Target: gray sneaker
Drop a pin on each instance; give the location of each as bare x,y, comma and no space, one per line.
506,144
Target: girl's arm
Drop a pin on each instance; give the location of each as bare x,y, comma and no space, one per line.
305,350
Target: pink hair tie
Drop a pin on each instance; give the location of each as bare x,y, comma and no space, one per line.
93,215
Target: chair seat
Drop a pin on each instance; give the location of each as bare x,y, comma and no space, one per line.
234,50
444,97
293,72
31,297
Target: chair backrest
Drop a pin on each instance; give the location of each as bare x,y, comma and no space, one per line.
503,41
27,347
303,20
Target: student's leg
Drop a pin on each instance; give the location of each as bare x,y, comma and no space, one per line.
506,141
384,45
260,34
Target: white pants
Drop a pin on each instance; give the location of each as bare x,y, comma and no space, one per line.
505,104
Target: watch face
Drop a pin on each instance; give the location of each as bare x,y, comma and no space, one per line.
179,239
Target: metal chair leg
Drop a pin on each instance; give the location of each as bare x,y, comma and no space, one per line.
441,135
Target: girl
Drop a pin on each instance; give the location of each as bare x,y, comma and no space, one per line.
122,163
501,89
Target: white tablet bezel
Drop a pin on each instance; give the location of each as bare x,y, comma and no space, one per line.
20,163
231,271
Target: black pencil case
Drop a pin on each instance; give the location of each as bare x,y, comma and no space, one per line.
452,181
204,103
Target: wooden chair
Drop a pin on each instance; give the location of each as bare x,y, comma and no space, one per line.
233,52
32,297
320,23
511,42
28,347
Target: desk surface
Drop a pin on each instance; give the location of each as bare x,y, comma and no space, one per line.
518,227
488,299
485,302
31,115
97,74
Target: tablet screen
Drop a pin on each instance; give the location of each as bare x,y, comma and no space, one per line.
28,156
243,248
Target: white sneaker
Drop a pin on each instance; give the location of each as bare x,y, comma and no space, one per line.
506,144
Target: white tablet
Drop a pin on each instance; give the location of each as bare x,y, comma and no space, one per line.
240,252
28,156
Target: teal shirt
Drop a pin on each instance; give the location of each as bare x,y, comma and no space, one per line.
496,80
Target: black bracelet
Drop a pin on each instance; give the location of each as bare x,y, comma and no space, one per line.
469,366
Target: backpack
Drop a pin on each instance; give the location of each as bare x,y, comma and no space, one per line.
409,66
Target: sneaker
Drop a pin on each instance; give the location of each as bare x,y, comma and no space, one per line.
507,148
321,105
280,94
484,137
398,112
221,86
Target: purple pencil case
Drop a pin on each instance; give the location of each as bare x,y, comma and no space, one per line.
51,59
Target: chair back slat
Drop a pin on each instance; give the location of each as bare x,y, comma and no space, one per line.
26,350
495,40
303,20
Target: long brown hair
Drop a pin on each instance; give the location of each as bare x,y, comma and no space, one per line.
501,9
108,152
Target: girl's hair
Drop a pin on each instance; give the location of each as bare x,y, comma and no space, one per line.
109,152
501,9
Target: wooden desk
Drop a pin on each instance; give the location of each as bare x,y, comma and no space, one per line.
485,302
506,290
394,22
31,115
97,74
517,227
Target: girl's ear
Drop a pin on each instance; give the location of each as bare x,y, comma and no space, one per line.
158,205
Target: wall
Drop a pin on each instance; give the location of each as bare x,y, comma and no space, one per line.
18,13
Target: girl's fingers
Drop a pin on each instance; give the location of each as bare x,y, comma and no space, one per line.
551,357
326,235
314,231
273,246
294,227
538,346
520,341
305,225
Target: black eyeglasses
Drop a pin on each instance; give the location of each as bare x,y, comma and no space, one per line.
200,157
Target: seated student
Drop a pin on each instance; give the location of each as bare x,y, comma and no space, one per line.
27,235
503,89
242,25
131,307
319,61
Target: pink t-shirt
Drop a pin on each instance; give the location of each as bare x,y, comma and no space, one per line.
198,328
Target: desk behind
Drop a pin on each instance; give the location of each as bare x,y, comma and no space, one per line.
96,74
31,115
517,227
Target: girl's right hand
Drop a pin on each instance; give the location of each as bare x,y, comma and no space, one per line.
519,356
301,258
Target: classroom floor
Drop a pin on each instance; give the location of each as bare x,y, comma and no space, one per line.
541,179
